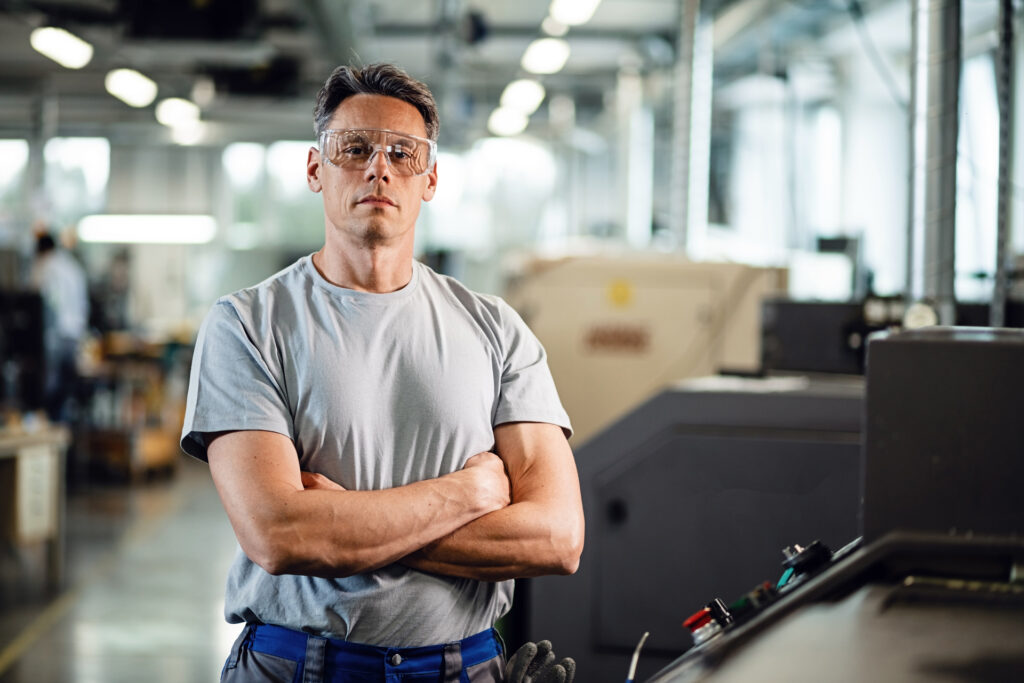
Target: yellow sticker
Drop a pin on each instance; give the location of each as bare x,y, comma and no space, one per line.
620,293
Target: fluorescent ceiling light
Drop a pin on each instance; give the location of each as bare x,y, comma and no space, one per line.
204,90
524,95
61,46
189,134
546,56
131,87
147,229
573,12
177,112
182,117
553,27
505,121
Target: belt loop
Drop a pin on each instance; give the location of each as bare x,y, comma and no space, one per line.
242,642
313,668
501,642
452,663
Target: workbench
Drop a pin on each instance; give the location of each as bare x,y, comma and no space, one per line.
32,492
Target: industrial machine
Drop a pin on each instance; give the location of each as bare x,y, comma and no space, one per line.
934,589
619,329
22,359
832,336
910,607
691,495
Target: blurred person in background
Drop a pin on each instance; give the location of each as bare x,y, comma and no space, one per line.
61,281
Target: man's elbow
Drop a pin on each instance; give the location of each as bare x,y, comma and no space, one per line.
568,565
274,551
570,548
275,559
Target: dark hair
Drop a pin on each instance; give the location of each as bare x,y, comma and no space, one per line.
374,79
45,243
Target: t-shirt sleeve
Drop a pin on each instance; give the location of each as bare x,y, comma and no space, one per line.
231,387
528,392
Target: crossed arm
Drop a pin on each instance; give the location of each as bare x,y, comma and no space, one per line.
514,514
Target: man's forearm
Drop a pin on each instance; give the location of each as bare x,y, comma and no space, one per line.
323,533
289,527
518,541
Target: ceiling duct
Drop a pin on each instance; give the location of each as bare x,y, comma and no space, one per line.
190,20
278,77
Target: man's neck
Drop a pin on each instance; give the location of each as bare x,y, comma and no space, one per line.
379,269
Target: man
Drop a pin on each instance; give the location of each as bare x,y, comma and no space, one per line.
61,281
389,446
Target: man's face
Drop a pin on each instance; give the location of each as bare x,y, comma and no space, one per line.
372,205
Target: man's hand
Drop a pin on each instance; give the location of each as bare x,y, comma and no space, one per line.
535,663
314,481
491,479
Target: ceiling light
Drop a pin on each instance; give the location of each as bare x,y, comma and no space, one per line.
61,46
573,12
188,134
505,121
553,27
131,87
147,229
523,95
176,112
203,91
546,56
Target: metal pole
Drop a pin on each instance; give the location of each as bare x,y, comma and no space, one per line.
1005,94
936,81
691,129
913,192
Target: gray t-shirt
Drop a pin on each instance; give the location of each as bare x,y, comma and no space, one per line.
376,391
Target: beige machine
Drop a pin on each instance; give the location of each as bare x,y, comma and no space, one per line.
619,328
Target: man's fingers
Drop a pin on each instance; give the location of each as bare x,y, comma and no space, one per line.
484,459
520,661
552,674
312,480
545,656
569,664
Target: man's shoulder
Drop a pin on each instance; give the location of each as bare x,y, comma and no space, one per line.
489,312
460,293
282,284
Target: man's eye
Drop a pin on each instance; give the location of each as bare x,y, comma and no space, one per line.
354,150
399,153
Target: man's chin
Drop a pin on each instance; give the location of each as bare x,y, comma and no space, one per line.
375,233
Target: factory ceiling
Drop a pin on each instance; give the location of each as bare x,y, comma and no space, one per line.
254,66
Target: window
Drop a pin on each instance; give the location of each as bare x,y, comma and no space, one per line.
75,180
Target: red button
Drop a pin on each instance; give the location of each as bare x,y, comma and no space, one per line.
698,619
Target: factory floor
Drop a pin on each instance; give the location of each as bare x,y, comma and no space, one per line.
143,595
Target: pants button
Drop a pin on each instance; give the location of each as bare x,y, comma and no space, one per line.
396,659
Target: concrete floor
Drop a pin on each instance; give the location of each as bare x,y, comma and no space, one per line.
143,601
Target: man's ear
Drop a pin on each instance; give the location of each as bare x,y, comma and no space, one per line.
313,167
431,188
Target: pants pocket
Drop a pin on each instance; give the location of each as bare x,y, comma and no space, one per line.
259,667
491,671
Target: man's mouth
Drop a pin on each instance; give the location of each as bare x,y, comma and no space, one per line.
377,200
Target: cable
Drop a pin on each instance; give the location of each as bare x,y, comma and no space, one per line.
636,657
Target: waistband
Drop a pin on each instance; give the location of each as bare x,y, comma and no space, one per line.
290,644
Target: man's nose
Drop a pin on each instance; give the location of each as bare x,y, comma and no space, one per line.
378,167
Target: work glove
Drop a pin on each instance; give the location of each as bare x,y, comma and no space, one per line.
535,663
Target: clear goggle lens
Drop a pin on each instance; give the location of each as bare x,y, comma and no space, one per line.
355,149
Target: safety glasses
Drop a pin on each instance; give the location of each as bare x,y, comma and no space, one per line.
354,149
